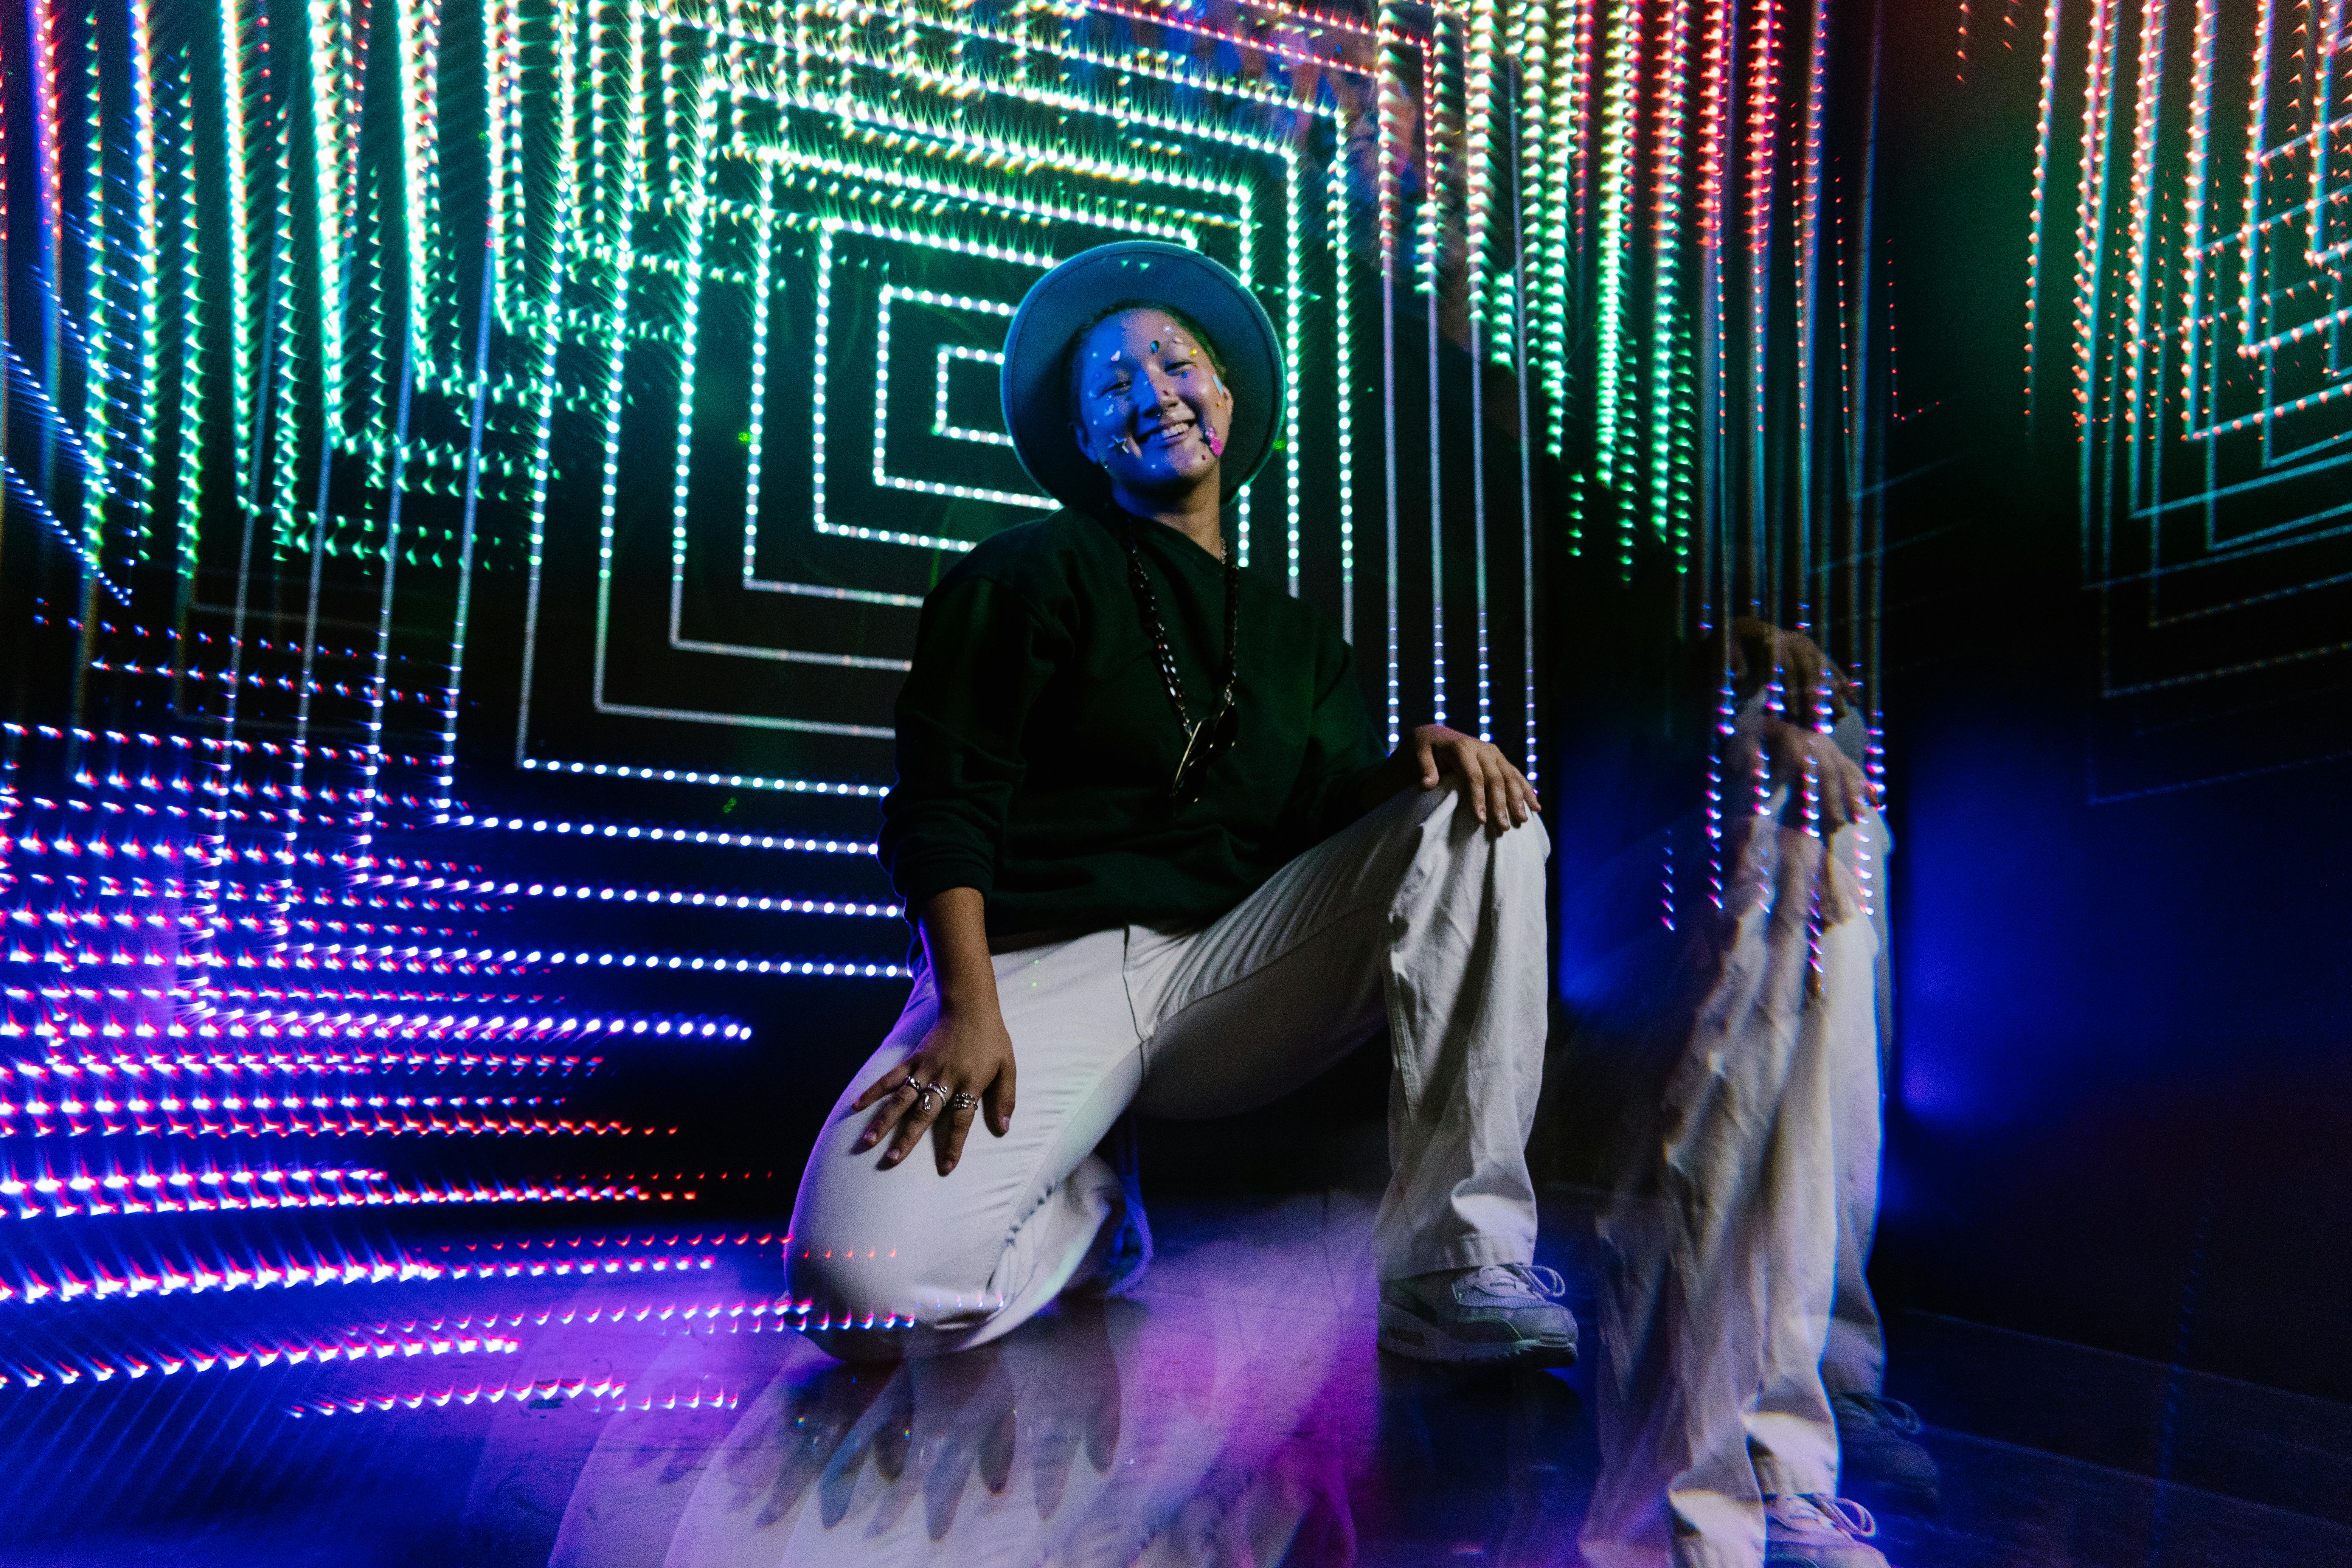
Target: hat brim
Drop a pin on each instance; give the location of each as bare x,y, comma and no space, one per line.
1035,386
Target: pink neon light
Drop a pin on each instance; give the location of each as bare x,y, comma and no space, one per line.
575,1388
81,1192
203,743
354,1346
226,678
140,1067
246,1271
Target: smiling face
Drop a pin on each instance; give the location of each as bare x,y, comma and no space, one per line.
1150,406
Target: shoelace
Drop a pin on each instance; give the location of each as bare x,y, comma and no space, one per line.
1845,1514
1894,1412
1537,1281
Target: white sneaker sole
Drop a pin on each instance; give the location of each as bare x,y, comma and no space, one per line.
1408,1333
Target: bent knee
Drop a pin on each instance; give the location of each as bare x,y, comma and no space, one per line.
847,1284
1449,805
876,1289
847,1302
1529,839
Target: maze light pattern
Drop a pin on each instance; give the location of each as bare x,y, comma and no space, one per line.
2206,292
408,382
850,155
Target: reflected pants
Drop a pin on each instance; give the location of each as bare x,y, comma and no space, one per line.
1740,1220
1417,917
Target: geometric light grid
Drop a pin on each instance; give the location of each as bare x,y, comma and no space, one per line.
414,304
444,315
2210,290
399,388
741,184
947,362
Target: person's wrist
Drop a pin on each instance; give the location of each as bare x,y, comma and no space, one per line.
975,997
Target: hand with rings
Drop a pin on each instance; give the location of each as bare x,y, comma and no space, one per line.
964,1062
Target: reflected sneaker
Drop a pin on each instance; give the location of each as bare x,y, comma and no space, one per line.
1819,1532
1499,1313
1876,1447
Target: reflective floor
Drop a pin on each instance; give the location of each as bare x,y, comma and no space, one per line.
1235,1413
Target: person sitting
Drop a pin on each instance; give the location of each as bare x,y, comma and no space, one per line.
1157,861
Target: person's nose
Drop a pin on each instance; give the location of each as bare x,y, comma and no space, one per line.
1155,389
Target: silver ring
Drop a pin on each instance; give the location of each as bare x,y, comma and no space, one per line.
923,1095
964,1101
910,1083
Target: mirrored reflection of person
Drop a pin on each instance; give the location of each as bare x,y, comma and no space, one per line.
1157,861
1103,1432
1726,982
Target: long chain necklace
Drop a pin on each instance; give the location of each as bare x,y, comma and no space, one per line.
1208,737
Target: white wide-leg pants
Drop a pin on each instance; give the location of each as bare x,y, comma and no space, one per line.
1417,917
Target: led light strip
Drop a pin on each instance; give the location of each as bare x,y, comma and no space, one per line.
1621,96
201,743
2090,223
108,888
2140,241
690,775
1717,90
1669,416
228,678
882,477
181,1276
675,896
952,354
97,396
147,196
374,1189
234,105
603,1390
349,1125
1762,181
66,1369
1812,609
240,1024
189,359
1436,182
308,1063
21,493
414,960
670,835
197,855
828,229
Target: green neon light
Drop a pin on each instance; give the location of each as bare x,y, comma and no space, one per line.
1621,108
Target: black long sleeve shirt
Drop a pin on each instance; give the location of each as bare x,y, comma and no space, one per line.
1036,740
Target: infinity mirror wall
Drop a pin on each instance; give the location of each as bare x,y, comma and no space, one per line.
471,475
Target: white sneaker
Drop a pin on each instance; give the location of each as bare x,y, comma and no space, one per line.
1819,1532
1499,1313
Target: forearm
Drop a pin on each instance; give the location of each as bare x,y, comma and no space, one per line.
965,1059
954,924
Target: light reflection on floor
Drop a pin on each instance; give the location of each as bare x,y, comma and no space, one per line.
1235,1413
